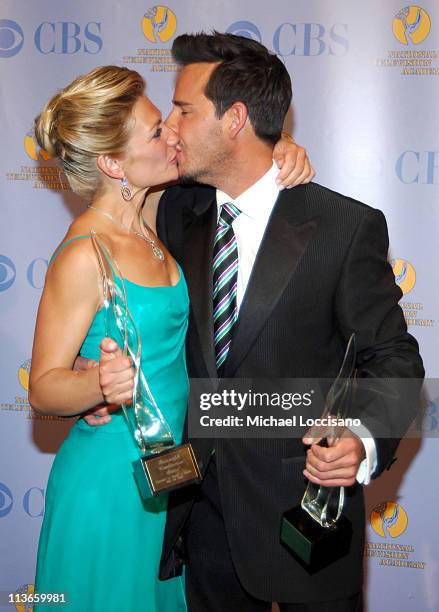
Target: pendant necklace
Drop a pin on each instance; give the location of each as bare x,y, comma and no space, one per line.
156,250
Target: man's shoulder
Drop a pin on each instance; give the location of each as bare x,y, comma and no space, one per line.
190,197
320,195
330,207
338,216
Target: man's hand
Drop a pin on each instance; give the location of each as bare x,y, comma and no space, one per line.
337,465
82,363
100,415
116,373
110,352
295,167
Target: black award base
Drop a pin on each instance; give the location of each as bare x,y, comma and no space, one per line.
314,546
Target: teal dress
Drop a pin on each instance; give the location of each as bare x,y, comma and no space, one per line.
100,543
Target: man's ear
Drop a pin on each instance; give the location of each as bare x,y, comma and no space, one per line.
110,166
238,117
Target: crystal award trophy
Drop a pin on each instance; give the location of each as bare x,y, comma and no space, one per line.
317,532
162,466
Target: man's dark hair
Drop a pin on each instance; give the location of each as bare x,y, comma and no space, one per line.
247,72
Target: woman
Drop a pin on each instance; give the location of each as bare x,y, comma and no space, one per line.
113,146
99,543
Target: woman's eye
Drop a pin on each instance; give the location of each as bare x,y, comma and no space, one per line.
158,133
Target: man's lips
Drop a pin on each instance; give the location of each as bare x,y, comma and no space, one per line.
180,156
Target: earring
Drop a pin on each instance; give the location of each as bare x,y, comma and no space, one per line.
125,190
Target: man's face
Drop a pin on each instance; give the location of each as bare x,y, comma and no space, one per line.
202,149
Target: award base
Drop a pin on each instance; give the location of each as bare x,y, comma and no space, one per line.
314,546
166,471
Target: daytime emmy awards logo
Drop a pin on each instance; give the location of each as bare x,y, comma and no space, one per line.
23,374
159,24
389,518
405,275
411,25
45,174
33,150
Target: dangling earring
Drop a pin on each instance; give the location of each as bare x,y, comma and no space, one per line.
125,190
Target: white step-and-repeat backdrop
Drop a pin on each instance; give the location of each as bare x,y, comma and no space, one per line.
366,90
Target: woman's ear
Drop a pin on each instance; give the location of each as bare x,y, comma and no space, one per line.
110,166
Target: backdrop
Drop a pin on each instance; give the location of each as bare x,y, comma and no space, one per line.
365,75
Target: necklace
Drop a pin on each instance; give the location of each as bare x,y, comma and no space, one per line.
156,250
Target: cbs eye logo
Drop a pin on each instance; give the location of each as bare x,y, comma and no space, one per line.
6,500
11,38
246,29
7,273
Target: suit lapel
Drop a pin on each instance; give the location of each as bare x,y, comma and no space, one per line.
197,266
285,240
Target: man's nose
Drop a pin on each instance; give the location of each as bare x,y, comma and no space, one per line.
170,135
171,121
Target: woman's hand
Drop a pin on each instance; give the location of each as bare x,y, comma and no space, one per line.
116,374
295,167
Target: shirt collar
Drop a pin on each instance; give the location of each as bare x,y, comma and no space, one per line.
258,200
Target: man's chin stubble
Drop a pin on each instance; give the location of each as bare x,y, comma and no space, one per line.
188,178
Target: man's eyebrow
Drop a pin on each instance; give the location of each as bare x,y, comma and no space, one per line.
181,103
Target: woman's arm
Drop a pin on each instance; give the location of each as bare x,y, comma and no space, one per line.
70,299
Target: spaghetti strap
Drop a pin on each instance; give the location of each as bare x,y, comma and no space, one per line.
64,244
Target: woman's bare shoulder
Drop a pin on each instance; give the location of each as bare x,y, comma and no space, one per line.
75,253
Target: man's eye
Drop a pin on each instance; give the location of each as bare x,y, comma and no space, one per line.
158,133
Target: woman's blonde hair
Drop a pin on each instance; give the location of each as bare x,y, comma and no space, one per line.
88,118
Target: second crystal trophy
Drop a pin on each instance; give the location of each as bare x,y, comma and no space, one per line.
162,466
317,532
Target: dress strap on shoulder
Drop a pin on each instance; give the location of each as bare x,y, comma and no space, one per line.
64,244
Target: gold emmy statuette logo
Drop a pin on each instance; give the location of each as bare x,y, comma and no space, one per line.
389,518
33,150
159,24
23,375
27,589
411,25
405,275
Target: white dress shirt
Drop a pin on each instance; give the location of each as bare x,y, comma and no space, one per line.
256,205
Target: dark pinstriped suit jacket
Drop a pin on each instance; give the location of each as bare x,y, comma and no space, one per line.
321,273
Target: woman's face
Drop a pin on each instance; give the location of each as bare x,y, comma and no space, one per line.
150,158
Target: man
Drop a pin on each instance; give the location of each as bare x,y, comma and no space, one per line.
307,268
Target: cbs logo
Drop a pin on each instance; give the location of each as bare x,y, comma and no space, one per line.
32,501
35,272
299,39
61,37
11,38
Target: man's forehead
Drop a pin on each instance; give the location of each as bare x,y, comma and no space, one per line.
195,75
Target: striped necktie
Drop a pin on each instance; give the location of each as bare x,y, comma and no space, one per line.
225,276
